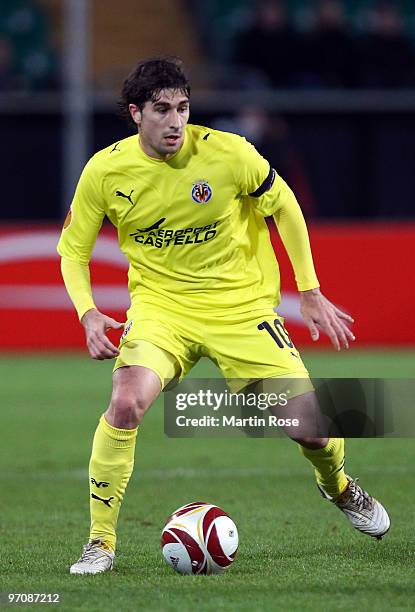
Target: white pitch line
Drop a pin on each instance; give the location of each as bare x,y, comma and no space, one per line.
164,474
180,472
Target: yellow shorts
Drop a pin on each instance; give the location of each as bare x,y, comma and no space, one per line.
250,346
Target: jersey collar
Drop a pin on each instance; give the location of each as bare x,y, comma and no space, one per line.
176,157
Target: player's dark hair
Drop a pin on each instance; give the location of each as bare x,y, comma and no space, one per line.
148,79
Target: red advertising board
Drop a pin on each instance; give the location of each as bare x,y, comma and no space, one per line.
367,269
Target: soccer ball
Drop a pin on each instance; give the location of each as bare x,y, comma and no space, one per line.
199,538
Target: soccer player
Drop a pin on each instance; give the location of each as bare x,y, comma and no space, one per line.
189,205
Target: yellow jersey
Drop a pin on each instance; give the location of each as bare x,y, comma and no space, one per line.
191,227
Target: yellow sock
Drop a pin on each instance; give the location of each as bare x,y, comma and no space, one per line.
110,468
329,466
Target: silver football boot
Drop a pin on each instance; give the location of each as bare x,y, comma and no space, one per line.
363,511
96,557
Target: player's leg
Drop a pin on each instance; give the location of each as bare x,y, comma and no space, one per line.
257,346
152,354
134,390
326,454
327,457
140,373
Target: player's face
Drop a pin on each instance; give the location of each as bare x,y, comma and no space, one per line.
161,123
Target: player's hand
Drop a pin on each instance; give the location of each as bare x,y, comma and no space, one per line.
96,325
320,314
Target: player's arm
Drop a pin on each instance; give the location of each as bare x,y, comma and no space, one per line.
317,311
272,196
78,237
76,277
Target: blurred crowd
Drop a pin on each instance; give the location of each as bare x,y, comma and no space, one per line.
27,61
271,135
269,43
327,50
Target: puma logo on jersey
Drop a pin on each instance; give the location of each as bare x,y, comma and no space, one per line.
105,501
115,148
120,194
155,226
99,484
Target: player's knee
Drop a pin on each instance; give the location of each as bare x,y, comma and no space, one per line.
312,442
127,410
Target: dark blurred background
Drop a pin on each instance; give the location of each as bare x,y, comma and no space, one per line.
325,90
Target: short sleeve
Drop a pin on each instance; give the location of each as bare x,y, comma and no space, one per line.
84,218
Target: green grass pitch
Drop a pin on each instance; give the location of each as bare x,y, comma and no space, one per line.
297,552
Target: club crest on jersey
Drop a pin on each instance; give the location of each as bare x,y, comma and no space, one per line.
201,192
